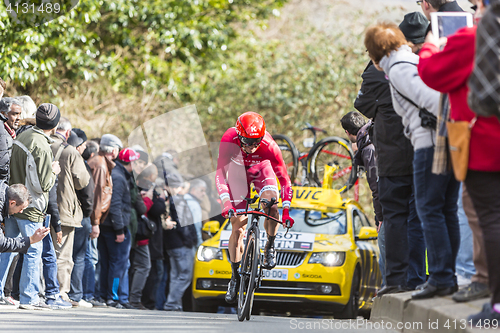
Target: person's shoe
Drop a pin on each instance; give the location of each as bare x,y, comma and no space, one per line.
97,303
115,304
486,314
473,291
12,301
430,291
83,304
128,306
269,261
40,306
74,303
232,290
58,303
391,290
138,306
5,302
421,286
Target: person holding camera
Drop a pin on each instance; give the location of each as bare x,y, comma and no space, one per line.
436,196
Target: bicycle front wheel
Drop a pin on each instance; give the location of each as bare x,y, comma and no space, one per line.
249,267
290,154
330,164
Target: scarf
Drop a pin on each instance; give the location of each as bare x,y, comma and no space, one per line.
440,164
10,131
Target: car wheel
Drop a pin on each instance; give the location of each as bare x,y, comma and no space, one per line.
352,307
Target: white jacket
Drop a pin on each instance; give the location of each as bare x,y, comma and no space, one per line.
400,67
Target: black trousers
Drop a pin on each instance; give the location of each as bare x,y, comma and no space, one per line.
404,240
484,190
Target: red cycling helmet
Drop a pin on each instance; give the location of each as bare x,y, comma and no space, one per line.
251,128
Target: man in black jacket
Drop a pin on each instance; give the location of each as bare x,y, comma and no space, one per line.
179,243
114,238
401,228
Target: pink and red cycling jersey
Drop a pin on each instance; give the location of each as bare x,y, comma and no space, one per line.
236,170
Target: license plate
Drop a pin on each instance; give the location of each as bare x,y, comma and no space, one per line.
275,274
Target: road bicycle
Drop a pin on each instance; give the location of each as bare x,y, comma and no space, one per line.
251,269
328,163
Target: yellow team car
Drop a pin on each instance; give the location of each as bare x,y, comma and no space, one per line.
326,264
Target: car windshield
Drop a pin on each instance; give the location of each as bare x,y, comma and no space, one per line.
316,222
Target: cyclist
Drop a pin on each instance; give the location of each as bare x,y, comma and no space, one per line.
248,154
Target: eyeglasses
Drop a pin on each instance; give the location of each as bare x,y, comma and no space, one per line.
249,142
474,8
419,2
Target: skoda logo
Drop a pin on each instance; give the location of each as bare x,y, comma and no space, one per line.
296,275
211,272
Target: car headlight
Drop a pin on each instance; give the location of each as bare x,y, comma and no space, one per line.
207,253
328,259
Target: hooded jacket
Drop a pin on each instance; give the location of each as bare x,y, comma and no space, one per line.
73,176
401,68
393,150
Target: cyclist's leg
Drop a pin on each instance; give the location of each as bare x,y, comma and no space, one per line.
266,184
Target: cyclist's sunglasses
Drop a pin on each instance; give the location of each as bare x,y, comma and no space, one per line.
249,141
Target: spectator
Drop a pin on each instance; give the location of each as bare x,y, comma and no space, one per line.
73,176
405,264
156,213
483,166
114,240
10,111
142,162
197,193
356,129
179,244
101,165
32,146
85,196
139,255
436,195
414,27
13,200
430,6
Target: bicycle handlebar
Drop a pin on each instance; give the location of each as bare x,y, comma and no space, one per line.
255,212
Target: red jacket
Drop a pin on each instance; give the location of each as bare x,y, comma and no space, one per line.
447,72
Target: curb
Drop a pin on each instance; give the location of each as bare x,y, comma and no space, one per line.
439,314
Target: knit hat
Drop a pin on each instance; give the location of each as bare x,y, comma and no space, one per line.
111,140
81,134
414,27
75,140
47,116
174,179
128,155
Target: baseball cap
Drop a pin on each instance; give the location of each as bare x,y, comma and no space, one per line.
128,155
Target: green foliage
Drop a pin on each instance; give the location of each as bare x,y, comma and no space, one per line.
128,42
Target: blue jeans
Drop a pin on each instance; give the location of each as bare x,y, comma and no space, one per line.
80,246
89,274
416,274
181,273
163,273
49,260
465,265
114,259
381,259
29,285
436,201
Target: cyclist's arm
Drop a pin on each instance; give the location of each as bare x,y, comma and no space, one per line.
280,170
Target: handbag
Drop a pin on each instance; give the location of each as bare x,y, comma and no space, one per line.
146,227
459,142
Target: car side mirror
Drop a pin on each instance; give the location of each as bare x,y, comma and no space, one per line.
211,228
367,233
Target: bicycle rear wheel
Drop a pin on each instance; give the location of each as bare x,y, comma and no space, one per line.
331,164
248,275
290,154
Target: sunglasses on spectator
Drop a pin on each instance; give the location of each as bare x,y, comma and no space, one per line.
249,142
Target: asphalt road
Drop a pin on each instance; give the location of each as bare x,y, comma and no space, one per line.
110,319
